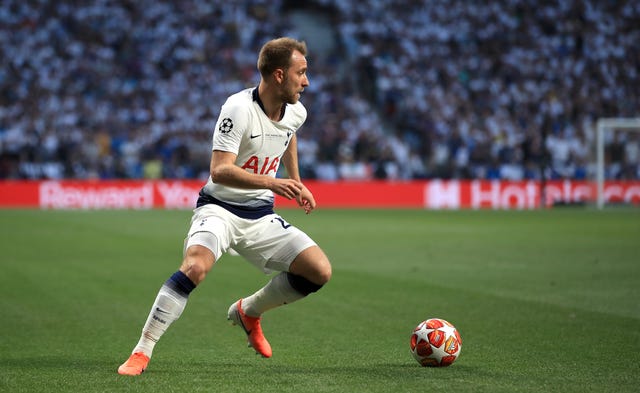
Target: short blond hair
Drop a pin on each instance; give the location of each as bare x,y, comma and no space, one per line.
277,54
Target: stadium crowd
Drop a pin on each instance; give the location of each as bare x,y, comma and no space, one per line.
434,89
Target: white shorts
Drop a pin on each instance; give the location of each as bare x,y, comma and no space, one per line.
269,242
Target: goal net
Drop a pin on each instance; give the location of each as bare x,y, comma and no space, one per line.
617,158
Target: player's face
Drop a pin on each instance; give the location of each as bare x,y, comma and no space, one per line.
295,79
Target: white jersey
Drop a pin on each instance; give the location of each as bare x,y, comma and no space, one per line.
244,129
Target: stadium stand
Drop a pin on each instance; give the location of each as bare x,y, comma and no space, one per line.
409,90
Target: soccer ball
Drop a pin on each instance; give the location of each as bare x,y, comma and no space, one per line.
435,343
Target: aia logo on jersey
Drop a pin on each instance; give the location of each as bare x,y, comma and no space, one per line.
265,167
226,125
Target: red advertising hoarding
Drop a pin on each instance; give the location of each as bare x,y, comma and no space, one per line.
433,194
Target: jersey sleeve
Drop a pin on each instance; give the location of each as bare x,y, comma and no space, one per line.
231,125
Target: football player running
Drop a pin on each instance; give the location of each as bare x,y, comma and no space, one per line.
255,133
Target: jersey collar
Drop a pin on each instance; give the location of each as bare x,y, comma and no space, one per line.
257,99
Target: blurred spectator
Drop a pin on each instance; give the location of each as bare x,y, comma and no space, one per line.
438,88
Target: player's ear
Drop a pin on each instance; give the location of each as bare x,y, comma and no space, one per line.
278,75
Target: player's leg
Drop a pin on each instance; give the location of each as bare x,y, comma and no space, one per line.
276,245
207,238
168,306
307,273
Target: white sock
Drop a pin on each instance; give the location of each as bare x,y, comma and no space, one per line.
276,293
167,307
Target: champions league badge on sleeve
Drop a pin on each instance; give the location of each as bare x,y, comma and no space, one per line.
226,125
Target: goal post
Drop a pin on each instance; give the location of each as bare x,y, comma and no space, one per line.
604,125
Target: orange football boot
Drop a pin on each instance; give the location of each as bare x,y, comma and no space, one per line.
135,365
251,326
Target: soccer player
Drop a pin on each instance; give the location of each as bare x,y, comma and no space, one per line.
255,132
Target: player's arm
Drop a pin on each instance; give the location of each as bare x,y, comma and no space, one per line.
290,161
224,171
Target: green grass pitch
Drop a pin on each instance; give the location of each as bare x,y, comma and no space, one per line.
545,301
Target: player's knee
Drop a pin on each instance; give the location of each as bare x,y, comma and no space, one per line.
313,265
323,274
197,263
310,277
302,284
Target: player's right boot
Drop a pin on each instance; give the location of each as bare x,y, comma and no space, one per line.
135,365
251,326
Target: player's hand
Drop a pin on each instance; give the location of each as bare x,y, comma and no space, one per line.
306,200
287,188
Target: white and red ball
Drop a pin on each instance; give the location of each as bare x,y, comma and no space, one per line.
435,343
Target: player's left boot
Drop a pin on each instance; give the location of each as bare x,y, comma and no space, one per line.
251,326
135,365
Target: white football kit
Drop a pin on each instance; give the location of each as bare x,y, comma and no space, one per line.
243,219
